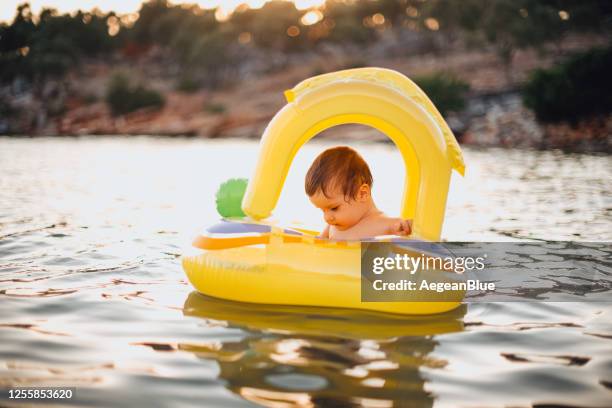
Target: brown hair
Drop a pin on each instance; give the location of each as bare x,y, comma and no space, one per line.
339,166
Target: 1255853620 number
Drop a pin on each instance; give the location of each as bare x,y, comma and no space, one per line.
40,393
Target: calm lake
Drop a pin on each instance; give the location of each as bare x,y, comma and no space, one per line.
92,294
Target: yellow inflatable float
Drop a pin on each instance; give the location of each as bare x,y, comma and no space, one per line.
253,261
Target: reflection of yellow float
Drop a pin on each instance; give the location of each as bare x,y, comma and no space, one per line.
324,322
308,356
259,263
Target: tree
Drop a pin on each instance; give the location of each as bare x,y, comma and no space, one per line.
123,98
509,25
572,90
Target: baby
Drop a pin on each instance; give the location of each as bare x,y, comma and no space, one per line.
339,182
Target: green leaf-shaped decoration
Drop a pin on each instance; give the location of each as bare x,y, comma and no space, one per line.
229,198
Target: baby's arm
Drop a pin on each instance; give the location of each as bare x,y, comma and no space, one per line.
325,233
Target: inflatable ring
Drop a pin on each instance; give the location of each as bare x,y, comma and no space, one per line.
260,263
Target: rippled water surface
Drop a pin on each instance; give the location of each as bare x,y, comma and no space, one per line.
92,293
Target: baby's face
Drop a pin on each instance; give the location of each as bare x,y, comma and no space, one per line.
337,211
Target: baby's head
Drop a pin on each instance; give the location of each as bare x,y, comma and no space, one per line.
339,182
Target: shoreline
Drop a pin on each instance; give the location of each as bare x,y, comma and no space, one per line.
591,150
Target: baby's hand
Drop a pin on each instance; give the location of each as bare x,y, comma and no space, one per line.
401,227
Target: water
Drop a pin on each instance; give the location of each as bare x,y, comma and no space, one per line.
92,293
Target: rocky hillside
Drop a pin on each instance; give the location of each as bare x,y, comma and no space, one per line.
493,116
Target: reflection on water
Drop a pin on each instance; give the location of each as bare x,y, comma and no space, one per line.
92,294
314,356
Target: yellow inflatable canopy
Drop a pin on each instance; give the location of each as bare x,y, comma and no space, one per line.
383,99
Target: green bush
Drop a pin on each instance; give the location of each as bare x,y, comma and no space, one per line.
445,90
6,109
123,98
575,89
214,108
188,85
90,98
